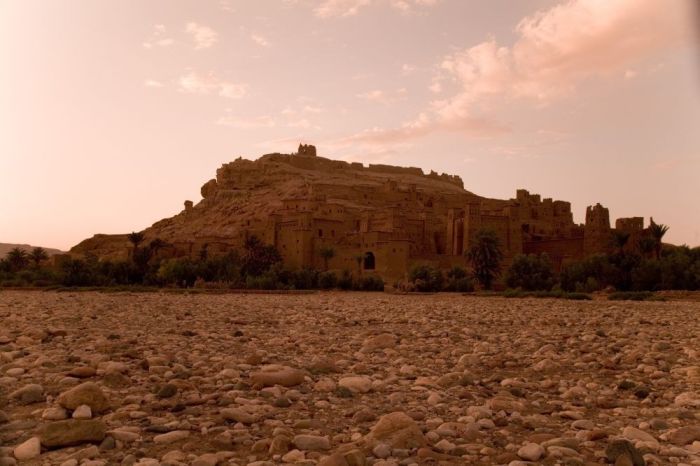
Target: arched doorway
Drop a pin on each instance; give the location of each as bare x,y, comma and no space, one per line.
369,262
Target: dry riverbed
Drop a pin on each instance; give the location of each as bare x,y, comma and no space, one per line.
346,379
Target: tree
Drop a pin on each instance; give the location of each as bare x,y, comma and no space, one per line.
485,257
258,258
18,259
327,253
38,255
156,245
619,240
531,273
646,245
135,238
657,232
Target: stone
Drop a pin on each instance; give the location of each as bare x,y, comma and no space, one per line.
311,442
82,372
335,459
378,342
356,384
623,448
382,450
82,412
278,375
28,449
237,415
397,430
685,435
632,433
168,390
88,394
72,432
531,452
171,437
29,394
54,414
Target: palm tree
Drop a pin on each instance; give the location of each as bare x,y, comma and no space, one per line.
135,238
658,230
38,255
646,245
485,256
18,259
620,240
327,253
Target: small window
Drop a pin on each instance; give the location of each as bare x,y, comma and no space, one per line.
320,233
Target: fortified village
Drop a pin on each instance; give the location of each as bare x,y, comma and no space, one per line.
378,219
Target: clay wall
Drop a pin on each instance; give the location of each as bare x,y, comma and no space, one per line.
559,250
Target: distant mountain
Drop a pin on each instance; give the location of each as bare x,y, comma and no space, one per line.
7,247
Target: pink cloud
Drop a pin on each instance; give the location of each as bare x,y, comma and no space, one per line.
555,50
196,83
203,36
343,8
558,48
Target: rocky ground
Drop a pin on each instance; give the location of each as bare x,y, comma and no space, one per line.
346,379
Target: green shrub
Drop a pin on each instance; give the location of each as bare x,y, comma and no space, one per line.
369,283
578,296
327,280
462,285
305,279
266,281
426,278
632,296
345,281
530,272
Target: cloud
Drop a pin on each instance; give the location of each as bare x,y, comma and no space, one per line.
558,48
407,69
382,97
203,36
345,8
260,40
264,121
288,118
210,84
158,38
152,83
555,50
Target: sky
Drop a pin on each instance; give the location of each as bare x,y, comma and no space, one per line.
113,113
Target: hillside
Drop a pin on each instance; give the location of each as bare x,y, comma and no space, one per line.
246,195
377,218
7,247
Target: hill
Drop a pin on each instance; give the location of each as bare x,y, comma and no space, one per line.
7,247
377,218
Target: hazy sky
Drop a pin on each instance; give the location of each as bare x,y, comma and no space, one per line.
112,113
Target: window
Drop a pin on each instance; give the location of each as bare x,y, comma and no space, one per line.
368,262
320,233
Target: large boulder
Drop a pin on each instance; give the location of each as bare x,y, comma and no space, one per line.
88,394
72,432
397,430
